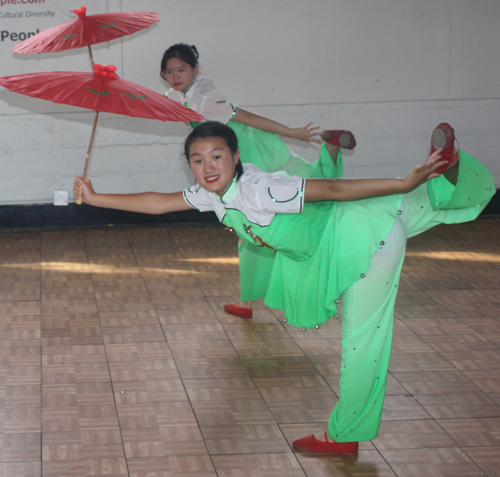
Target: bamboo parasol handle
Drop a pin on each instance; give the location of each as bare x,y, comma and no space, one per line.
91,57
80,199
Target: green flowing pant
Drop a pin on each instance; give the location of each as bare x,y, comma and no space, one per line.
368,304
367,322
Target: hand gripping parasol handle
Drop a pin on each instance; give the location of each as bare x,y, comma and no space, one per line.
80,199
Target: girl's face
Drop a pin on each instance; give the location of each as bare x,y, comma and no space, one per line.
213,163
179,74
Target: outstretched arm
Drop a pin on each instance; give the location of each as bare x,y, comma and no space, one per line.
305,133
355,189
147,202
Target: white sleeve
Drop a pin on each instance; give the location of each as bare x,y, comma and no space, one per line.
282,196
272,194
174,96
211,103
198,198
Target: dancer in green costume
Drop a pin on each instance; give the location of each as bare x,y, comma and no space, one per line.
258,144
332,238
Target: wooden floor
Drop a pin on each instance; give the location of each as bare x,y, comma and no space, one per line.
116,359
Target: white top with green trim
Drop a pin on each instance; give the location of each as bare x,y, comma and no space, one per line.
205,98
258,195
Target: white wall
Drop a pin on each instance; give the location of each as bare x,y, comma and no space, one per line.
389,70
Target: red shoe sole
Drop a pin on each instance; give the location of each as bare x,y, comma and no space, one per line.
340,137
312,446
444,137
239,311
319,454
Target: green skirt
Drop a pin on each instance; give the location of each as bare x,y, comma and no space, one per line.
269,153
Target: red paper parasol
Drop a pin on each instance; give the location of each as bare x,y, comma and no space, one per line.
102,90
86,30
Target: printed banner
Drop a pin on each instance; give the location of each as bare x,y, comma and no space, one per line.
22,19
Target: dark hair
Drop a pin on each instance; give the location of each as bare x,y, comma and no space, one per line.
214,129
187,53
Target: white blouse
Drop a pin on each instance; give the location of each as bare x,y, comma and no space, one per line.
258,195
205,98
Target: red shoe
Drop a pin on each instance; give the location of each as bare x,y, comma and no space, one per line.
444,136
339,137
311,445
239,311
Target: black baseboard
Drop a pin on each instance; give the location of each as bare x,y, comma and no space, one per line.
19,217
493,208
24,217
